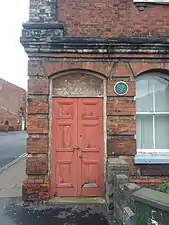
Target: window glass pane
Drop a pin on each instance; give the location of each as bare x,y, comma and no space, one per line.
144,95
161,89
162,131
144,131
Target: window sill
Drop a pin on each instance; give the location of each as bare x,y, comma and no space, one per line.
161,2
151,159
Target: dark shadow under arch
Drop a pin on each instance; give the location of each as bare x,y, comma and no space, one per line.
157,70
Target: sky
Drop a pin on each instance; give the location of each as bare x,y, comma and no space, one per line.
13,59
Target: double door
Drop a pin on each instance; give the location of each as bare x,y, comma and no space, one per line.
77,147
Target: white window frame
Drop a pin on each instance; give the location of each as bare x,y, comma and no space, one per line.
152,156
152,1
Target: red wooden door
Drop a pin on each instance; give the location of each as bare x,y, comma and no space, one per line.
77,147
91,153
64,139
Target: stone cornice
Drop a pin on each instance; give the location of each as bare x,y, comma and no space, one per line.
42,25
49,38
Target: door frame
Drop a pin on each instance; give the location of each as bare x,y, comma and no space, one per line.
104,80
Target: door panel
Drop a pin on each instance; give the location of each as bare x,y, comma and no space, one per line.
90,127
64,138
77,146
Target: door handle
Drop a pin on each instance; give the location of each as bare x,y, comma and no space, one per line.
76,148
81,156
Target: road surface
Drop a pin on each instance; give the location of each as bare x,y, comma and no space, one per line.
12,145
13,212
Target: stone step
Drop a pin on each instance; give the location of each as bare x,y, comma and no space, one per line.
77,200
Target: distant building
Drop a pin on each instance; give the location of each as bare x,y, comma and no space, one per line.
12,107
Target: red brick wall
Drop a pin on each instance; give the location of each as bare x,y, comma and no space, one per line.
11,99
10,96
121,111
100,18
121,124
149,182
12,119
36,187
112,18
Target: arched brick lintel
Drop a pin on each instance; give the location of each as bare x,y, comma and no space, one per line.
139,68
101,68
164,71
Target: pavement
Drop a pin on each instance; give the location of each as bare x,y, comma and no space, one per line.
12,145
15,212
11,180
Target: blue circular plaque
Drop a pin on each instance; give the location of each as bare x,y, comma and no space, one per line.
121,88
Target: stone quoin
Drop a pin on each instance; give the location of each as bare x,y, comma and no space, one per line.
76,121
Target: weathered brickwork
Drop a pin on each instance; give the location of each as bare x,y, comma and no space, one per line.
38,86
37,125
81,51
37,104
158,170
36,189
121,107
113,18
37,165
149,182
121,146
141,67
120,118
37,145
121,126
103,68
134,170
121,69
